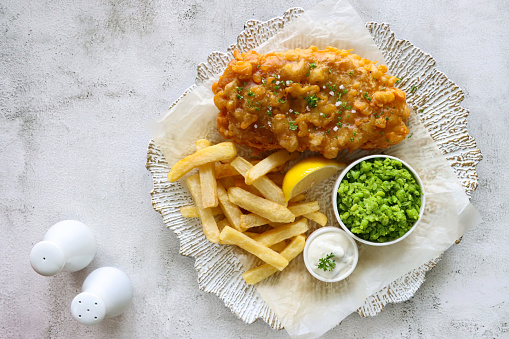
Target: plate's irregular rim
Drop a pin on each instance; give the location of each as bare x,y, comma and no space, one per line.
436,100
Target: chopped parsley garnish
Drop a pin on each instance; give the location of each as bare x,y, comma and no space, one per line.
386,118
281,101
382,88
311,66
312,100
292,125
351,139
327,263
330,71
277,87
350,73
339,124
258,66
413,89
239,96
398,81
366,96
251,94
410,135
239,89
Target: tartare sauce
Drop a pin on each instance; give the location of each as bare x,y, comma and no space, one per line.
335,250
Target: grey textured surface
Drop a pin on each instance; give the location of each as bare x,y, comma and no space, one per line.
78,82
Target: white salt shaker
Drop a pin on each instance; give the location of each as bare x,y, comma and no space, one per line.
68,245
106,293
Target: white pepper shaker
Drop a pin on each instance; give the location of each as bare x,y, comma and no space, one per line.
106,293
68,246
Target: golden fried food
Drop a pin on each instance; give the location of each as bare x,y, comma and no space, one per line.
321,100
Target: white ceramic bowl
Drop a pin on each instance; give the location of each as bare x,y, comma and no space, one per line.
316,234
335,200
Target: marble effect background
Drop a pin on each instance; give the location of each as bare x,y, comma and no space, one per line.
78,83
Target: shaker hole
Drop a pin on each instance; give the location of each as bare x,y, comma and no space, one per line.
79,301
96,303
43,258
88,310
95,317
79,315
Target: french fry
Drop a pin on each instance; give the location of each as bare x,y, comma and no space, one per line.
274,170
222,151
266,186
224,171
317,217
252,235
231,211
304,208
279,246
297,198
210,228
257,274
233,237
207,179
263,207
192,211
251,189
281,233
269,163
277,224
221,224
252,220
228,182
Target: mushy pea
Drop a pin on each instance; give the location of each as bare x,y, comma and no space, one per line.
379,200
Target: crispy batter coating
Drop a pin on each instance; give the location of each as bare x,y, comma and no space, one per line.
321,100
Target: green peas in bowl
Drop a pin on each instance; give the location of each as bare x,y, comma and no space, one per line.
378,200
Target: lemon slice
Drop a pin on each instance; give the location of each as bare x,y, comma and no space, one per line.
307,173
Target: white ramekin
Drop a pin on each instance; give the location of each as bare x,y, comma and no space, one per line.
335,200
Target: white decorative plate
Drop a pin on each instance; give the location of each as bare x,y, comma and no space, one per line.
437,103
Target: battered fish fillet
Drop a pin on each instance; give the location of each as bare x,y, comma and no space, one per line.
321,100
